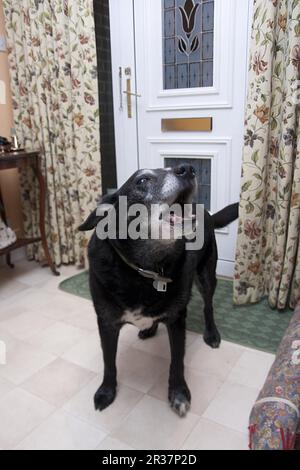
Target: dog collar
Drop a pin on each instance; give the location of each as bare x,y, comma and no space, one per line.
160,283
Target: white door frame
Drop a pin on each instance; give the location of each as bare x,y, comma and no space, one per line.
123,56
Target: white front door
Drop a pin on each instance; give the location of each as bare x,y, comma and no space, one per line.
182,59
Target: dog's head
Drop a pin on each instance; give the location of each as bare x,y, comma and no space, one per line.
161,186
169,187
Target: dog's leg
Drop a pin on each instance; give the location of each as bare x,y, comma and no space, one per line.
179,394
105,395
145,334
207,285
211,334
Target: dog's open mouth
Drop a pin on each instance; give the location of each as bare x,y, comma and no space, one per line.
175,219
182,214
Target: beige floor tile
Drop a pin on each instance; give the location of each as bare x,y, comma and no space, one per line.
156,346
31,273
109,443
57,338
208,435
191,337
140,370
153,425
22,359
82,405
252,369
128,334
5,387
53,282
219,361
5,271
159,344
56,304
10,311
10,287
231,406
7,338
27,324
86,319
32,299
20,413
65,307
203,389
62,431
69,270
87,353
58,382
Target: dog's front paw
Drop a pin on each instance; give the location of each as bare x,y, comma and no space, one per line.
180,399
145,334
104,396
212,338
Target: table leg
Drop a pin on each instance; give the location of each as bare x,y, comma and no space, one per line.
42,188
8,261
3,215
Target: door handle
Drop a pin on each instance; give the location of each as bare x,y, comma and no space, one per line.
129,94
132,94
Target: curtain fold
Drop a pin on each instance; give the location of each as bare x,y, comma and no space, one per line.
53,67
268,254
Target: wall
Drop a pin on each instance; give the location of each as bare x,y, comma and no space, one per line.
107,133
9,180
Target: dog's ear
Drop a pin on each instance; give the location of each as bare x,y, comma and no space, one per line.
90,222
93,219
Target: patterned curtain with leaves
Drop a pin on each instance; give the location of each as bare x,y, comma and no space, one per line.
268,254
52,57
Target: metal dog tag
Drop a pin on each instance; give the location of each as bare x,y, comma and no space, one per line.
160,286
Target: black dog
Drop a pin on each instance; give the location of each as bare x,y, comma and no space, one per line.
122,272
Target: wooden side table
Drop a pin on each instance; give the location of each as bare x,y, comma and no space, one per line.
20,160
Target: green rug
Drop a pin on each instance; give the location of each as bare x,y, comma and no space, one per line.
256,326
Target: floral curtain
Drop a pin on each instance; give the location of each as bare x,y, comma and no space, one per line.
52,57
268,254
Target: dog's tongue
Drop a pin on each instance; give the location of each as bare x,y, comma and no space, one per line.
175,219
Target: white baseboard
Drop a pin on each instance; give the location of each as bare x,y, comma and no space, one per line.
225,268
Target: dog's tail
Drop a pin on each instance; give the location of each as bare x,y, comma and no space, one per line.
226,216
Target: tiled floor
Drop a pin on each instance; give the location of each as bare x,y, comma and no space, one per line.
54,366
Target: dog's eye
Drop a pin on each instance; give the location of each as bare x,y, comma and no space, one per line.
142,180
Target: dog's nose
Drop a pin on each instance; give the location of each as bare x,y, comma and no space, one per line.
184,170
